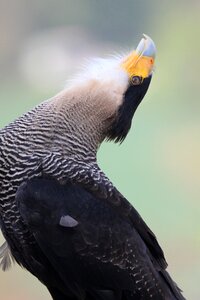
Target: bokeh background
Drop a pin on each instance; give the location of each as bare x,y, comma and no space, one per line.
42,43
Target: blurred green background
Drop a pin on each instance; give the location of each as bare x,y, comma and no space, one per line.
158,166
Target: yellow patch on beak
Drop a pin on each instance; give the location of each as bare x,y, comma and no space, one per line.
136,65
141,61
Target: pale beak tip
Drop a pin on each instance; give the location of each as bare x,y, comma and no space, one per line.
146,47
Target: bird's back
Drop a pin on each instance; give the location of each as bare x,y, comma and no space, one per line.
22,143
90,244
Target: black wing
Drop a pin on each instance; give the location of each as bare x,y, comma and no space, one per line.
97,253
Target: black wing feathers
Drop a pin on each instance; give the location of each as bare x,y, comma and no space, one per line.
96,252
149,238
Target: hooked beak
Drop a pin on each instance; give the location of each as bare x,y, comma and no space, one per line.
146,47
141,61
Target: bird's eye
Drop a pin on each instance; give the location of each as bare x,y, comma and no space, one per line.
136,80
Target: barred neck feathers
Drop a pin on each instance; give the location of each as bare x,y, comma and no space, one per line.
99,103
87,107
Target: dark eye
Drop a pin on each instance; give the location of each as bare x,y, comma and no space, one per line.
136,80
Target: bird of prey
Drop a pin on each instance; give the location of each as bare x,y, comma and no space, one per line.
62,218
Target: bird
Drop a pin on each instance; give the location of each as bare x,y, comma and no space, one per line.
62,218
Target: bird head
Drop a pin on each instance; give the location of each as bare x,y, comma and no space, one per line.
107,93
138,67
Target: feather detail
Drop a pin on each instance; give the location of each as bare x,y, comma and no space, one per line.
103,70
6,258
68,221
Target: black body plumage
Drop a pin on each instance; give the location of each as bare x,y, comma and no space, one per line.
102,253
71,227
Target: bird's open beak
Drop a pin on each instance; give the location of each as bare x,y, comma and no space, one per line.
141,61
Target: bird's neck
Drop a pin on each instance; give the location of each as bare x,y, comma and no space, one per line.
80,121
